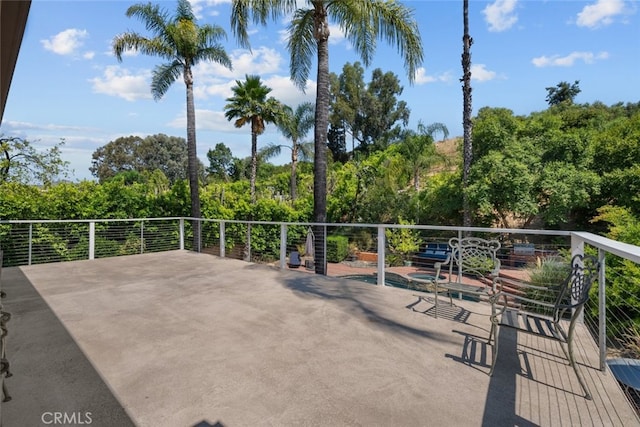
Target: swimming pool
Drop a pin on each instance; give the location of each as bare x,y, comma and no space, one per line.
395,280
405,282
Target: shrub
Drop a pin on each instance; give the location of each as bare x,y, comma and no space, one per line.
337,248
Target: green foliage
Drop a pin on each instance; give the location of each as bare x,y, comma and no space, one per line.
547,273
220,162
21,162
403,242
337,248
167,154
623,276
563,93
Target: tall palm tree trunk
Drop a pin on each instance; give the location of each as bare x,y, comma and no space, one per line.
466,114
252,190
320,140
254,165
192,162
294,167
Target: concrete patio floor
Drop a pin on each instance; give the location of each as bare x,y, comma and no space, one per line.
186,339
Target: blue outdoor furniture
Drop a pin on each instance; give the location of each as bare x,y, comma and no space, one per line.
432,253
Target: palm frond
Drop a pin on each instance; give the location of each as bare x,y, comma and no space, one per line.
242,11
305,151
184,11
164,76
136,42
365,22
152,16
270,151
302,46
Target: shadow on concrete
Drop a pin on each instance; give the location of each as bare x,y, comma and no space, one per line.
205,423
500,404
341,292
52,379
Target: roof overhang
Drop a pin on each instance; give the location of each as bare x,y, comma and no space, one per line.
13,19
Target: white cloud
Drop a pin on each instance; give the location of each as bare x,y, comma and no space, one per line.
286,92
600,13
117,81
500,15
66,42
198,6
480,73
212,79
46,127
205,120
336,35
568,60
423,78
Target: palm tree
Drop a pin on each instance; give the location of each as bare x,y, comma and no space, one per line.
467,125
295,125
183,44
419,151
363,22
249,104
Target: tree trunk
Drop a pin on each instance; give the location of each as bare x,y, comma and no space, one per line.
467,126
294,167
192,162
252,185
321,27
254,165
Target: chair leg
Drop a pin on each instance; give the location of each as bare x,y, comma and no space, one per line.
435,290
572,362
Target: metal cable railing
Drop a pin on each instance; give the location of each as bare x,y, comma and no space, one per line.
370,252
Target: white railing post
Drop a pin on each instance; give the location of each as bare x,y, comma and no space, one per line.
222,240
381,255
283,246
141,237
92,240
181,234
30,242
602,310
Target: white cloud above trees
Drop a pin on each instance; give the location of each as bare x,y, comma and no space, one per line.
568,60
500,15
601,13
120,82
67,42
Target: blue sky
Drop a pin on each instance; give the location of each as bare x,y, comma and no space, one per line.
67,83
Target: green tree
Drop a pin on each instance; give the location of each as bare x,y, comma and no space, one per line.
363,21
562,93
250,105
220,162
294,126
167,154
382,111
347,91
368,112
21,162
117,156
182,43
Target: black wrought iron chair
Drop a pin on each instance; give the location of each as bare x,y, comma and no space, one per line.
542,311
